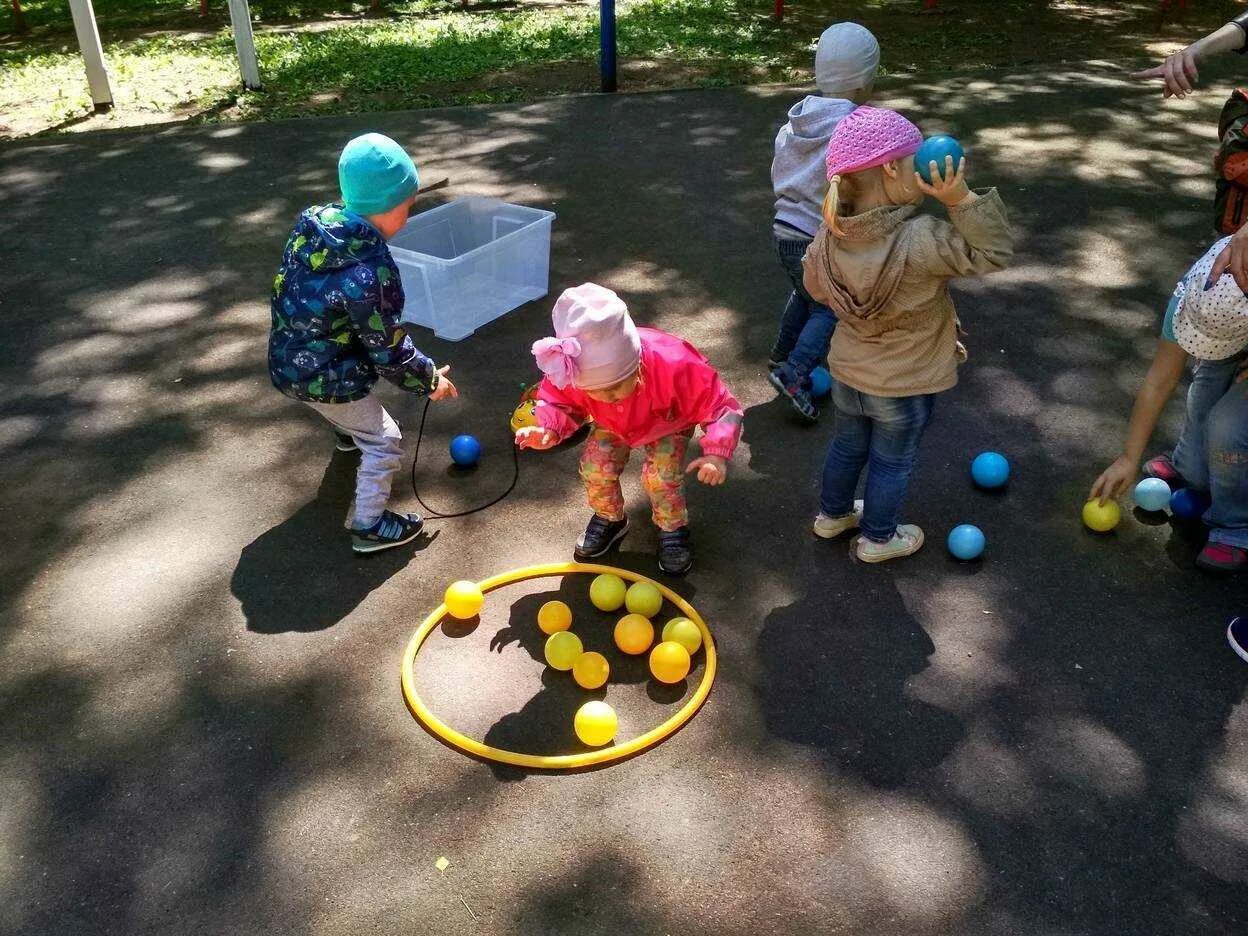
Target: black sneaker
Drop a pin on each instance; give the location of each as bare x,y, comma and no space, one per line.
391,530
1237,636
774,363
675,551
798,396
599,537
344,443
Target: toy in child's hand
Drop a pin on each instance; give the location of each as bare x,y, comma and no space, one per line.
935,150
820,383
595,723
990,470
1101,518
535,437
465,450
1152,494
966,541
1189,503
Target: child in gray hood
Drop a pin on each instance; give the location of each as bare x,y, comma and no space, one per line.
846,62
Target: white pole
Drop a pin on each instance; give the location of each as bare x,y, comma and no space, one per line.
245,43
92,53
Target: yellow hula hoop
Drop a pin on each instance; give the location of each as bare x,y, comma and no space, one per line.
555,761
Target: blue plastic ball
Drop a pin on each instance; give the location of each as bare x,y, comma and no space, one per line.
1188,503
966,541
937,148
1152,494
820,383
990,469
465,450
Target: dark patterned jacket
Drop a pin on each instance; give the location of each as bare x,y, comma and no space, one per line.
335,313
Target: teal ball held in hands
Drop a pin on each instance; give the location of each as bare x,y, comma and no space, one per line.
820,383
465,451
935,149
966,541
1152,494
990,470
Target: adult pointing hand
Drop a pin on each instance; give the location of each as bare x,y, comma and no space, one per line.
1178,72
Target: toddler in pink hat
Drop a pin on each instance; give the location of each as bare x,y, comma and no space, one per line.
640,388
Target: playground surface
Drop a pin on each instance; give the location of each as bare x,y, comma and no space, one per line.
201,726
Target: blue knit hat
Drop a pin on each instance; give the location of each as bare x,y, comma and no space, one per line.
375,174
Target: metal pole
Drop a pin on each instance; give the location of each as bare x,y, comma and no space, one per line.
245,43
92,53
779,10
606,42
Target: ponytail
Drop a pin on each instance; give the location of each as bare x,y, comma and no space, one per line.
832,205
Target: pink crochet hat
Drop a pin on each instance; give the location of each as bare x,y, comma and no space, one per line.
596,344
870,136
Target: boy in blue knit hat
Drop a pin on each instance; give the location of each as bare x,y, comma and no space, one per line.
336,305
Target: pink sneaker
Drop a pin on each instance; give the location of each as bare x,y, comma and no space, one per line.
1160,466
1219,557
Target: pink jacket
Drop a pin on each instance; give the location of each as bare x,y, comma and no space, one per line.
679,390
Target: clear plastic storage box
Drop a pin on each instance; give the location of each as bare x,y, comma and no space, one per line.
467,262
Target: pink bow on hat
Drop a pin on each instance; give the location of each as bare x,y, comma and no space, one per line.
556,358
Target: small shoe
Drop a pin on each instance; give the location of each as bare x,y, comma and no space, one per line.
1221,557
1237,636
599,536
344,443
798,396
390,530
675,551
1160,466
832,527
905,542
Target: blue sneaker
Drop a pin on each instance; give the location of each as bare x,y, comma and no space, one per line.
1237,636
390,530
797,395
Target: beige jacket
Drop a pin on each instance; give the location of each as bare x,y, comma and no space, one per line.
887,281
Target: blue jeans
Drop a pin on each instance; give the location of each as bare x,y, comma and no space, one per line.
806,326
1212,452
882,434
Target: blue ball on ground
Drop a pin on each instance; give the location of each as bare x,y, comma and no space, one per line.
465,450
966,541
1188,503
820,383
1151,494
990,469
936,149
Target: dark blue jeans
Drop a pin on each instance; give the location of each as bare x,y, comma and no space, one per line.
1212,452
806,326
881,434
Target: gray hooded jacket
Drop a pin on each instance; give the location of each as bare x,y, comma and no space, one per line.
798,176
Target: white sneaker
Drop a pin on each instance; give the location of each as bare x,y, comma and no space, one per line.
832,527
905,542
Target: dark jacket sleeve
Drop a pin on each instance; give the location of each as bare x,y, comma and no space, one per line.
374,297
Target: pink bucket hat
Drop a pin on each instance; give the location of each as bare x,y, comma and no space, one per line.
596,344
870,136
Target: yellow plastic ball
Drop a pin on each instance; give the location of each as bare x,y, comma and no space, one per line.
644,599
1101,517
463,600
634,634
607,592
595,723
669,662
562,650
554,616
590,670
684,632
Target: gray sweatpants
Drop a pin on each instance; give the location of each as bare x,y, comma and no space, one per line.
381,453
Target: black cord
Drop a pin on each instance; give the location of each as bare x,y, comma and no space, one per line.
434,514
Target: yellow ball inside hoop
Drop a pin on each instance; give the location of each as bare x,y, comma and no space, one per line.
583,759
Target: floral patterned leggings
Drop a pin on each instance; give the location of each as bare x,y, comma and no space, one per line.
662,475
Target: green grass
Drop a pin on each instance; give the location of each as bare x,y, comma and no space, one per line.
439,53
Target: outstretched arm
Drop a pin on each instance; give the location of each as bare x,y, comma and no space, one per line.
1178,71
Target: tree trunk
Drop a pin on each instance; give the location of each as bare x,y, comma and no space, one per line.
203,7
19,18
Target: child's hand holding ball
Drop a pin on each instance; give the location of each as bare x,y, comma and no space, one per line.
445,388
948,184
711,469
535,437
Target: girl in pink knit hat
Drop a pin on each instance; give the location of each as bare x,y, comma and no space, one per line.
884,270
641,388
